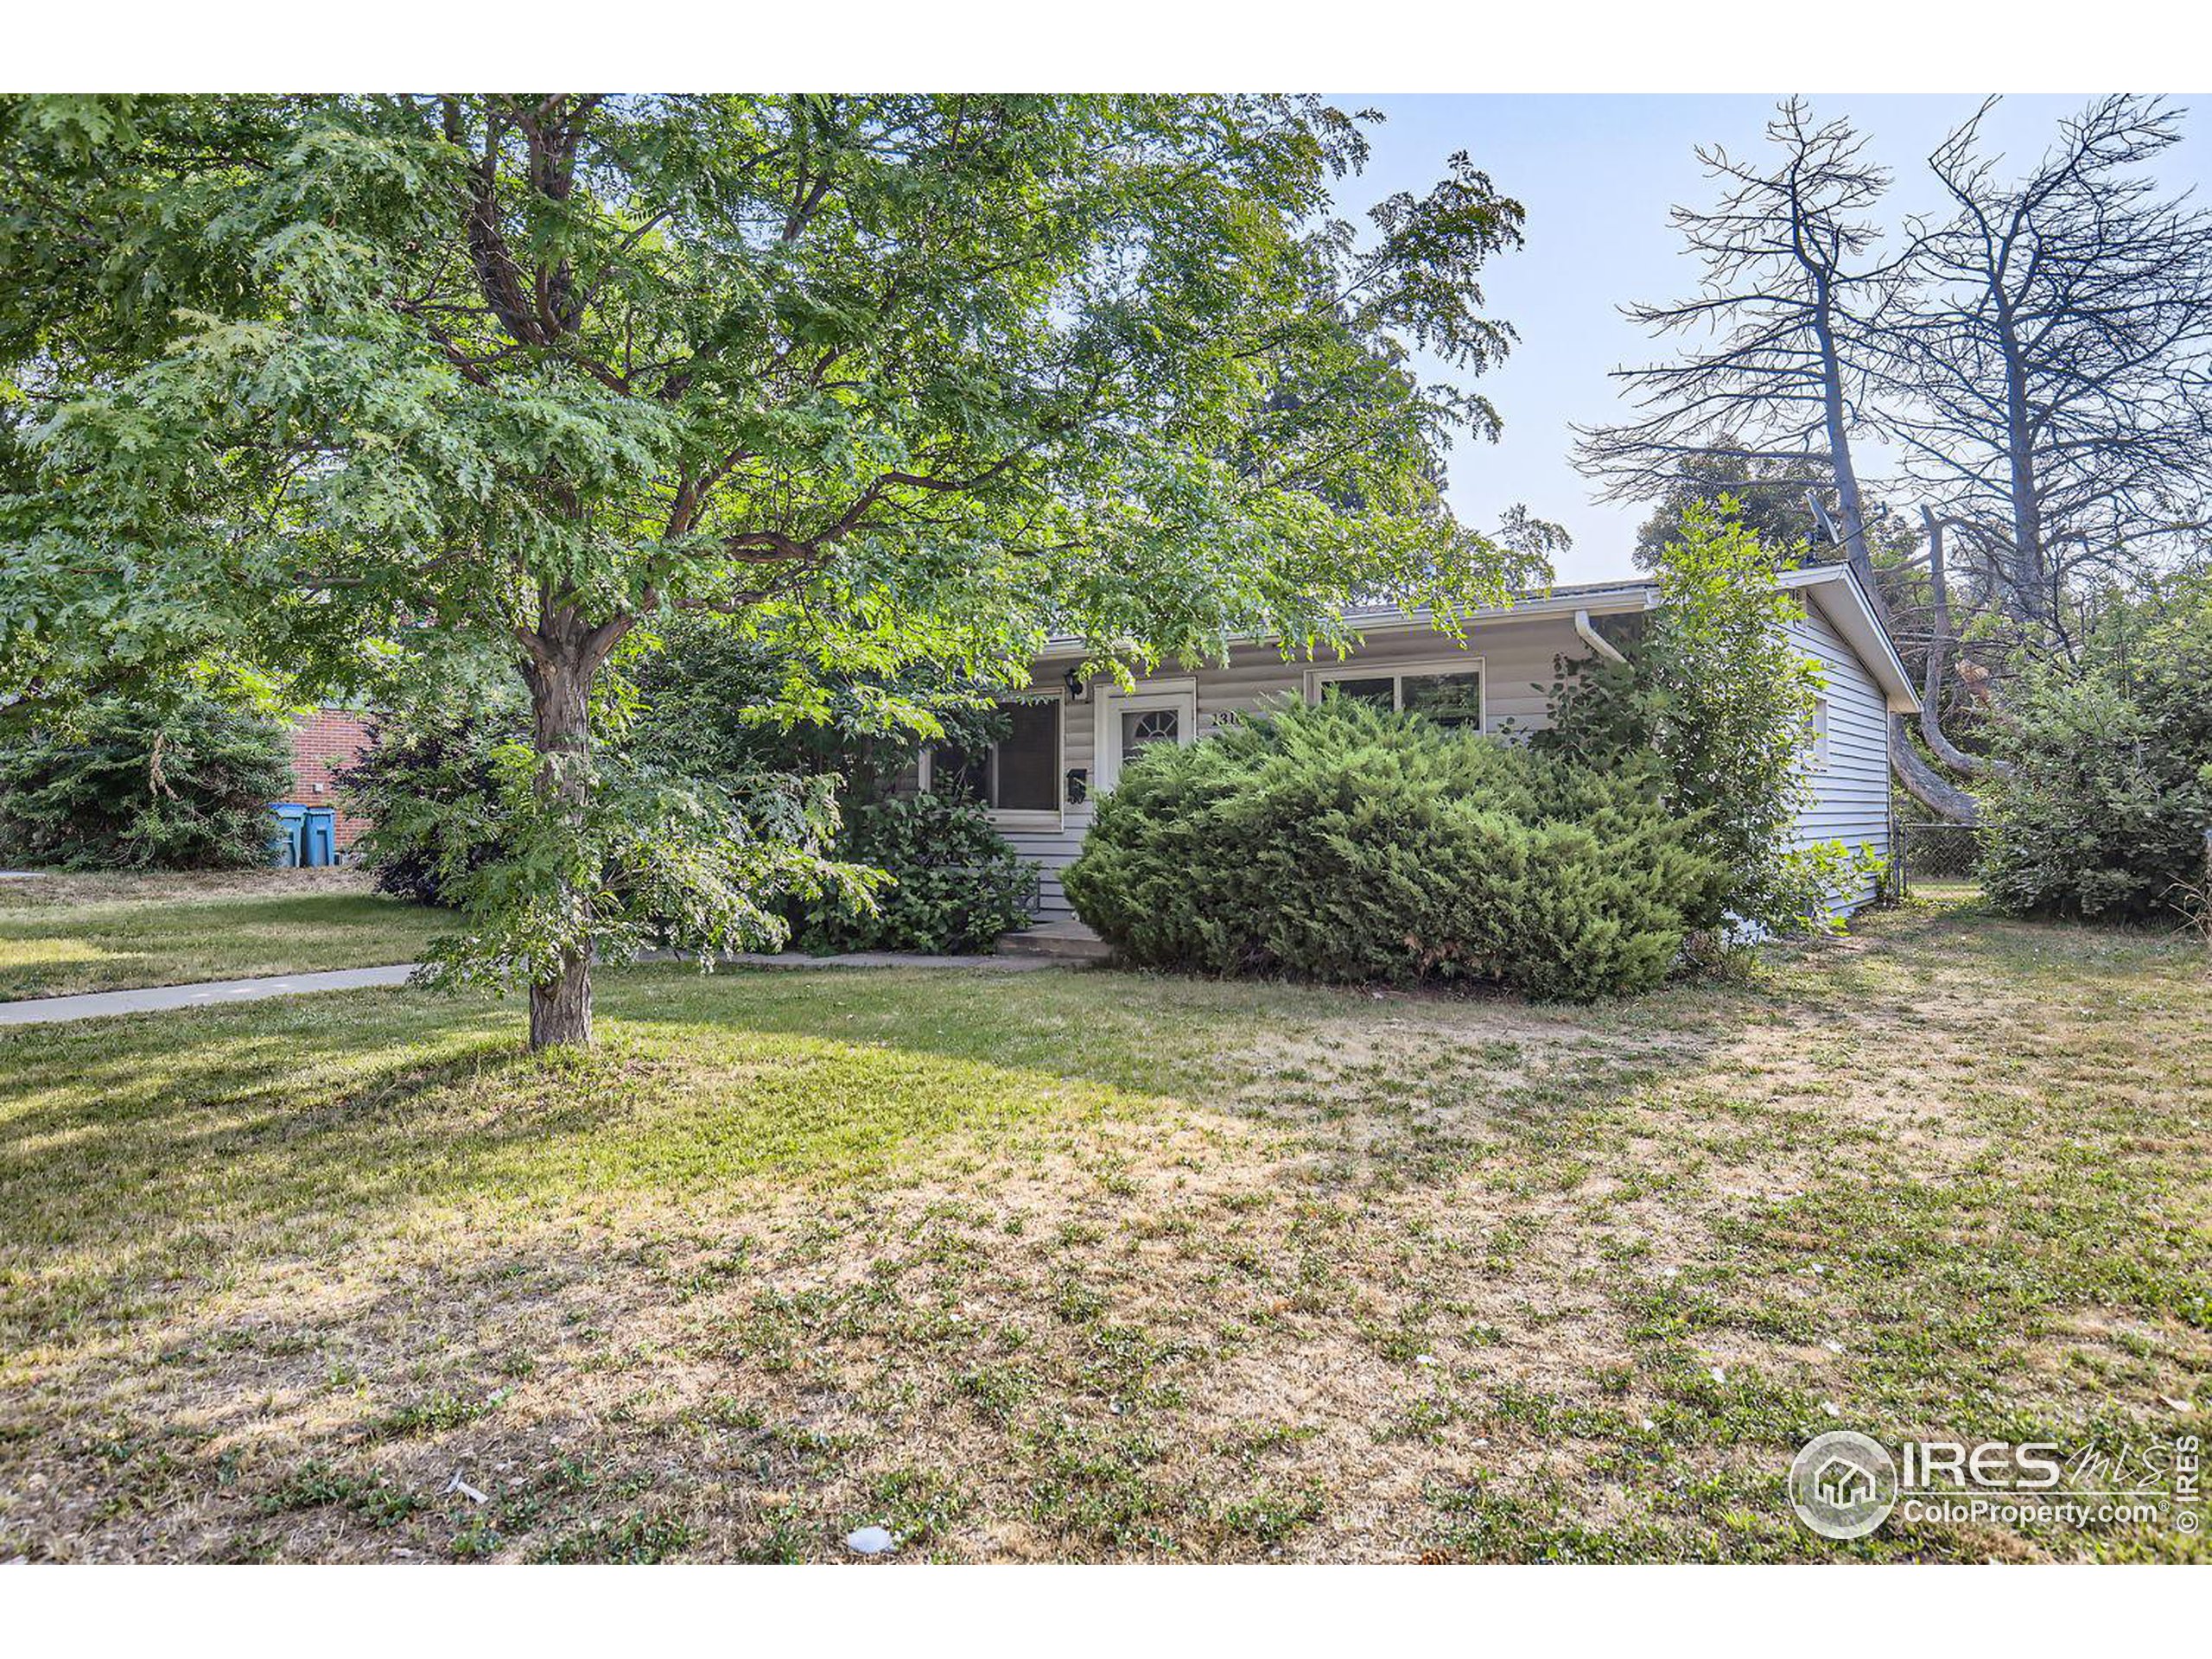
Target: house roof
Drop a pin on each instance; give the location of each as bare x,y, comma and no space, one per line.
1602,596
1834,591
1831,590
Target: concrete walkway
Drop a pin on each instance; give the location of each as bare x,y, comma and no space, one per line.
156,999
214,993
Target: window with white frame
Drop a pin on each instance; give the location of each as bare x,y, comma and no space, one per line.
1020,772
1449,693
1816,732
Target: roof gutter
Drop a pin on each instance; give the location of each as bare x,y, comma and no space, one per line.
1591,638
1636,597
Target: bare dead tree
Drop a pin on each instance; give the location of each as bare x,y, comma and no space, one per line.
1782,383
1775,377
1932,629
2048,363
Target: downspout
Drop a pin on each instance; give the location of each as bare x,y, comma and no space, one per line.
1595,640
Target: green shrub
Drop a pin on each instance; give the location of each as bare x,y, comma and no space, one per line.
715,703
116,782
956,885
1348,844
2103,816
702,867
425,782
1718,691
430,786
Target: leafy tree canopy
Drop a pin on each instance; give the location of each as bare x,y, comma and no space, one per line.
354,385
2104,807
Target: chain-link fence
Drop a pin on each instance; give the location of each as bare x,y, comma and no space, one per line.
1942,853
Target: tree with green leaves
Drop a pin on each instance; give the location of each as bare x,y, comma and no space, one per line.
2104,810
105,779
1718,687
356,385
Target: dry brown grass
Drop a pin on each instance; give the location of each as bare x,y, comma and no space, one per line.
1105,1268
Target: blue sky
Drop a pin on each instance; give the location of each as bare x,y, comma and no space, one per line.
1598,176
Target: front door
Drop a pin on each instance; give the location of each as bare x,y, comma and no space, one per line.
1130,723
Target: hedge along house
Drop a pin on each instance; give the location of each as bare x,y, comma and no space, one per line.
1068,740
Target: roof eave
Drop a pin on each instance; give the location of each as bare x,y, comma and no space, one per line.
1848,609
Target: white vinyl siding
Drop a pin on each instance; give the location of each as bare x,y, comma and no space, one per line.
1850,772
1055,850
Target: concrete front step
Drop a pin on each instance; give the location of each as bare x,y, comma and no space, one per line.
1068,941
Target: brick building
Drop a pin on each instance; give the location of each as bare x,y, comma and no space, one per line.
322,743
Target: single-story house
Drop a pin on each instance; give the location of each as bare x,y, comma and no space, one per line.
1068,740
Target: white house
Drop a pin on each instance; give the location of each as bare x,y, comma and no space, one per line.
1069,741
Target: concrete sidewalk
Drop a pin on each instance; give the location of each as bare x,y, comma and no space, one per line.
214,993
218,993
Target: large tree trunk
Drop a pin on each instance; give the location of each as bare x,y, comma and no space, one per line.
560,1006
1941,637
2027,574
1836,418
1926,785
564,653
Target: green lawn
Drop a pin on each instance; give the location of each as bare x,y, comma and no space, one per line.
1085,1265
60,934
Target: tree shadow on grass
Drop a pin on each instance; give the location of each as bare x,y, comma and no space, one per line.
150,1149
116,1136
377,1098
151,1170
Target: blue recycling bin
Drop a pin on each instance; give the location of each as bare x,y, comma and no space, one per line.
319,837
287,846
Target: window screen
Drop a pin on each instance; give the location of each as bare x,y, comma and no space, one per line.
1381,691
1029,759
1447,699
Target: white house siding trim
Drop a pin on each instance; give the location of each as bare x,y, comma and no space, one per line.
1850,785
1055,850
